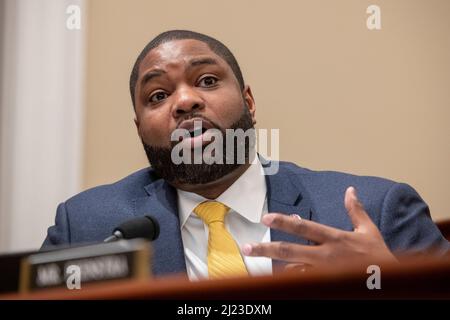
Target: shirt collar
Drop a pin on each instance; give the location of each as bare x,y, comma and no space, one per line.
246,196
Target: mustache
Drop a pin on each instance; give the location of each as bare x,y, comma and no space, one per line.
199,116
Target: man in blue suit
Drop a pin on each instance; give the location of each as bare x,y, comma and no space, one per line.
296,216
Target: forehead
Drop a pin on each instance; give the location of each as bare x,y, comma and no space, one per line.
176,52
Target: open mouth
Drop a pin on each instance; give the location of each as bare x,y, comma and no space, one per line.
197,137
197,132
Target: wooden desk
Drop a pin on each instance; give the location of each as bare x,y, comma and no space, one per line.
444,227
415,278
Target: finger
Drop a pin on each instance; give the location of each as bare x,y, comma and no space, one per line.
359,217
285,251
295,225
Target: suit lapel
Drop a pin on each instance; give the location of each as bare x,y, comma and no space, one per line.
286,195
161,203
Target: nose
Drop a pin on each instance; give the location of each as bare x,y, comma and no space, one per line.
187,101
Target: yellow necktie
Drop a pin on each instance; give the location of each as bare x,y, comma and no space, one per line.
224,257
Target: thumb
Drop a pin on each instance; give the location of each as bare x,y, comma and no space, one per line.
359,217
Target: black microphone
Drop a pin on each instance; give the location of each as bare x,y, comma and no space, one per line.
141,227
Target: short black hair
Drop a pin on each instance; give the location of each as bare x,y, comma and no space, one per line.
215,45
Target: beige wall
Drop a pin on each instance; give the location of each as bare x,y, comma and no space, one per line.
345,98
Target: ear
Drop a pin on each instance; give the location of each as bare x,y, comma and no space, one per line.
250,101
136,122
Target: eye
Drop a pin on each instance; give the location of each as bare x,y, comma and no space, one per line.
158,96
208,81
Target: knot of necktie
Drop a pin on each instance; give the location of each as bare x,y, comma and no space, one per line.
211,211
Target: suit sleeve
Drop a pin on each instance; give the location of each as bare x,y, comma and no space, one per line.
59,233
406,223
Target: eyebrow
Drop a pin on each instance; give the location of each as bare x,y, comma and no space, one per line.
202,61
193,63
151,75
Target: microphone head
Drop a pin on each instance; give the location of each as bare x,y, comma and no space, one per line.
141,227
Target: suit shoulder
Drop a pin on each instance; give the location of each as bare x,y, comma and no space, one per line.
327,179
130,186
329,175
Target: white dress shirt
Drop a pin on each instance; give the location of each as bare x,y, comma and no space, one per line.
247,201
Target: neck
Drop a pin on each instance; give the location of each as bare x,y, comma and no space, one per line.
213,189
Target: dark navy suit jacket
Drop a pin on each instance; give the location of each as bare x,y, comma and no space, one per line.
399,212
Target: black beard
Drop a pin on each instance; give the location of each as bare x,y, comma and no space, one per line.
161,161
